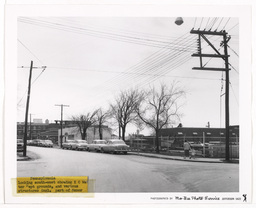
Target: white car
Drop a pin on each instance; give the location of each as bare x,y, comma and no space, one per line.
96,145
115,146
80,145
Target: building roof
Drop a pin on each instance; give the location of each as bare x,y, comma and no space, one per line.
198,132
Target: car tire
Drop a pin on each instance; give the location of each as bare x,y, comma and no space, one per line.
102,150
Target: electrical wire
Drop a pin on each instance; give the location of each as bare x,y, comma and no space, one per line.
233,27
137,74
220,23
226,23
201,22
95,33
233,51
29,51
207,22
234,93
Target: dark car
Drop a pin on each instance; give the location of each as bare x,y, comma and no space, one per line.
20,145
115,146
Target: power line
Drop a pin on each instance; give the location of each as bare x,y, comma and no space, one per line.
220,23
233,51
233,27
118,72
145,63
29,51
201,22
226,23
234,93
95,33
207,22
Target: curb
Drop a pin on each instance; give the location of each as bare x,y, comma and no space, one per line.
179,159
22,158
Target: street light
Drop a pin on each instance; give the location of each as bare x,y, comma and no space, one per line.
178,21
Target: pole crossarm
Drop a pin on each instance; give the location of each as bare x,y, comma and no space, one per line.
210,69
221,33
210,55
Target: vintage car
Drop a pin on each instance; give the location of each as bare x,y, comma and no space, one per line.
96,145
20,145
29,142
41,143
35,142
48,143
68,144
79,145
115,146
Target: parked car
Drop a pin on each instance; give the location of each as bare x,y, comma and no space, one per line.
96,145
48,143
41,143
68,144
20,145
29,142
115,146
35,142
79,145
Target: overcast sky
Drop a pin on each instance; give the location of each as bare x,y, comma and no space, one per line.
90,60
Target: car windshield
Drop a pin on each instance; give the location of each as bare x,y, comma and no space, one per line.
101,142
81,141
118,142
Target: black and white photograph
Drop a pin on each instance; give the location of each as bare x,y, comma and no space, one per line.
140,104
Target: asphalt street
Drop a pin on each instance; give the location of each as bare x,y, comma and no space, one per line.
131,173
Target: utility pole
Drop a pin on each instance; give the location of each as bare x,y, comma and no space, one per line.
27,109
61,120
202,34
26,114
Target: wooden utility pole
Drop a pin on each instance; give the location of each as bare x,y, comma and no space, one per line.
61,121
202,34
26,114
27,108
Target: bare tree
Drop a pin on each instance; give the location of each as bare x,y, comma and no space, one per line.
160,108
83,122
101,117
123,110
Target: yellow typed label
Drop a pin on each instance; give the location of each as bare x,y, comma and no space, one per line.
59,184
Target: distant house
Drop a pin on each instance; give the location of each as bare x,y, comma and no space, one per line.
72,133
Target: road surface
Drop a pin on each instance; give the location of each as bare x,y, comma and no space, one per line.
132,173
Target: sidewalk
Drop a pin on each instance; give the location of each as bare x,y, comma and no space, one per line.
181,158
22,158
